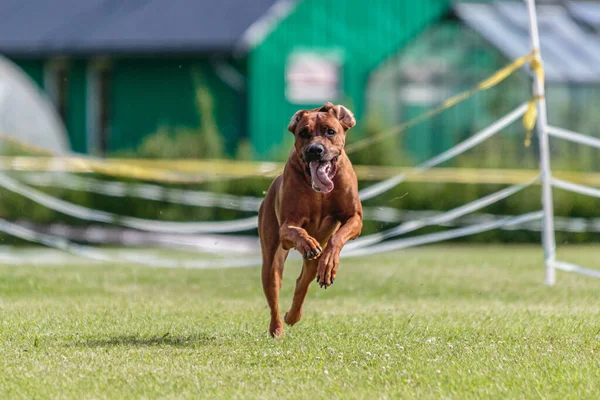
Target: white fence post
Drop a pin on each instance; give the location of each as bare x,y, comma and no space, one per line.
548,239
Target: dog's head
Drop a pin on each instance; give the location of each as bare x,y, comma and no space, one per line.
320,135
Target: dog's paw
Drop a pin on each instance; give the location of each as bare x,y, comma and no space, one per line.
309,248
327,268
276,330
291,318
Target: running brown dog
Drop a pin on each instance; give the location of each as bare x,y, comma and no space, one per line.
313,207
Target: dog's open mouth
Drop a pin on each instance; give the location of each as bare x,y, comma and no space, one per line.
321,174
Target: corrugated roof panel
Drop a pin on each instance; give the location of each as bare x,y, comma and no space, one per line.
511,41
181,23
482,18
135,25
569,52
29,26
588,12
562,40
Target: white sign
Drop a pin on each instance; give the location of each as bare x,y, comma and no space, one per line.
312,78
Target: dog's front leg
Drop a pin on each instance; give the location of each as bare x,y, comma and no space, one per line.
293,236
330,260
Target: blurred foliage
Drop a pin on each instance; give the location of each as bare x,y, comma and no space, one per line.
244,151
387,151
497,152
282,153
205,141
407,196
505,150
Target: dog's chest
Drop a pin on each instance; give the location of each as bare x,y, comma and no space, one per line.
322,222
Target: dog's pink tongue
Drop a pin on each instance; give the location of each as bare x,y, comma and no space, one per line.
319,174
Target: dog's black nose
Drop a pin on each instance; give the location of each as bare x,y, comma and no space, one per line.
315,149
314,152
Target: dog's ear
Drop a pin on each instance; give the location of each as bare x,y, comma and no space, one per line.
295,119
345,116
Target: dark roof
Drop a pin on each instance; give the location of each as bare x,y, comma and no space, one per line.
32,27
570,45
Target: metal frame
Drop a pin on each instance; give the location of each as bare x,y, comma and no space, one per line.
548,182
548,238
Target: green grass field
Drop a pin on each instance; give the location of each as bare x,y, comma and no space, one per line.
435,322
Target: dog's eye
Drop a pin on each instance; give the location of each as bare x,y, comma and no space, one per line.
330,132
304,134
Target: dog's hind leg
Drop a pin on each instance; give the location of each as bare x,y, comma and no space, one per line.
273,256
309,271
272,277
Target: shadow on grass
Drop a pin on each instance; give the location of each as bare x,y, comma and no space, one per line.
139,341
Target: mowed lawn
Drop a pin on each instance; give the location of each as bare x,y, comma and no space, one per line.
453,321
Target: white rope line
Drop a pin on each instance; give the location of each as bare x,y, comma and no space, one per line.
586,140
185,197
144,191
387,184
565,224
89,214
576,188
574,136
99,255
240,224
245,203
228,245
196,198
160,262
74,210
442,218
568,267
222,245
440,236
51,241
96,234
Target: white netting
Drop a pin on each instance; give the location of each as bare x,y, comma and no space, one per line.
26,114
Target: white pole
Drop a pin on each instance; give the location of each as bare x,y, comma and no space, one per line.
548,239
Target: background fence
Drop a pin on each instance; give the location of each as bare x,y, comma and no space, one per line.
389,65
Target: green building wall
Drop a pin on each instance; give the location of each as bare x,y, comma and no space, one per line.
365,33
150,94
147,94
32,67
76,118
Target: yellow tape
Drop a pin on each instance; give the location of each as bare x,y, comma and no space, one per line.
537,65
505,72
487,83
236,170
530,116
138,169
135,172
530,119
123,169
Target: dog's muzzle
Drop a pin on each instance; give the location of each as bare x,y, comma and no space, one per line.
313,152
320,171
